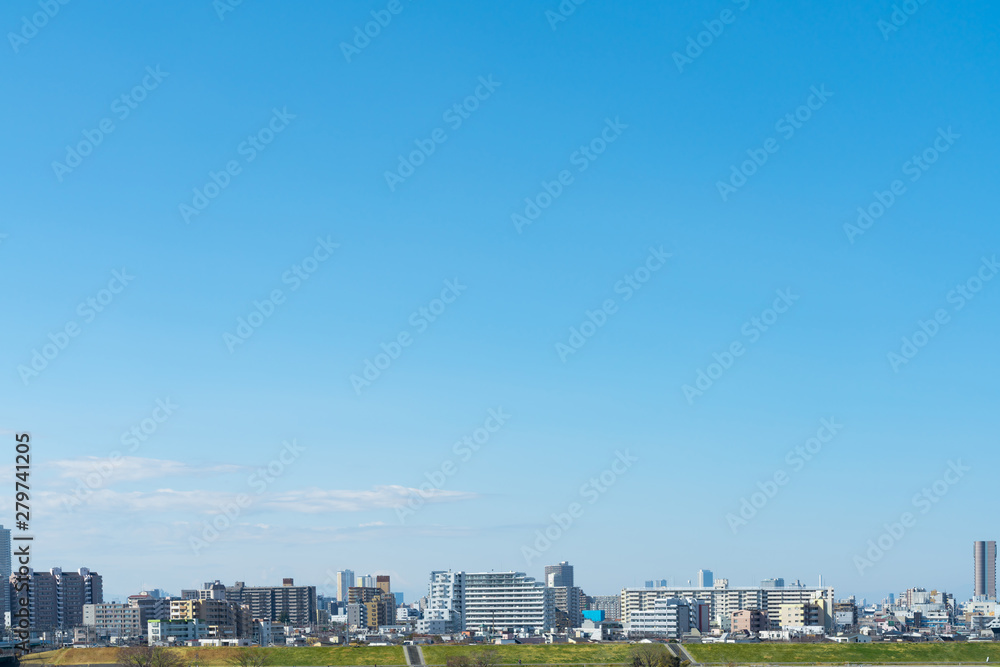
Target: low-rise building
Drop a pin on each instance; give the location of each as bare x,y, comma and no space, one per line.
176,631
111,619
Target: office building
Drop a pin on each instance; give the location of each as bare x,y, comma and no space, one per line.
288,603
559,575
985,563
705,579
345,579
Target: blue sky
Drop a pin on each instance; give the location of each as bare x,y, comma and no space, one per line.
334,125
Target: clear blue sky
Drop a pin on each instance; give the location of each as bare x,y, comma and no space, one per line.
885,97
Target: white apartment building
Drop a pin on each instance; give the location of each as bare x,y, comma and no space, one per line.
490,601
110,619
179,631
723,600
669,617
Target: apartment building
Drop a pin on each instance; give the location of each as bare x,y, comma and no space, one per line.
724,600
111,619
288,603
55,599
489,601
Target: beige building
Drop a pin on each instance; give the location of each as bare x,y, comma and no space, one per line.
749,620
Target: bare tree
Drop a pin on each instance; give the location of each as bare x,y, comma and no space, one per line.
653,655
250,656
147,656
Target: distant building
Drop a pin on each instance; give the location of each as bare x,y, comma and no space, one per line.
985,564
705,579
345,579
723,600
56,598
611,605
288,603
168,632
378,601
150,608
749,620
5,572
595,615
491,601
111,619
669,618
559,575
772,583
225,619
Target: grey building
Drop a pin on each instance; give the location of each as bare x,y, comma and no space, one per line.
985,562
289,603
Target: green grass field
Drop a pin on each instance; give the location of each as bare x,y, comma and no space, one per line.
215,657
537,654
830,653
569,654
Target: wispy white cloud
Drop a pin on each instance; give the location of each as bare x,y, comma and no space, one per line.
207,502
131,469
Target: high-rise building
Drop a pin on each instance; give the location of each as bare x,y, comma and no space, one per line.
985,563
345,579
559,575
378,601
491,601
705,579
288,603
611,605
5,572
56,598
